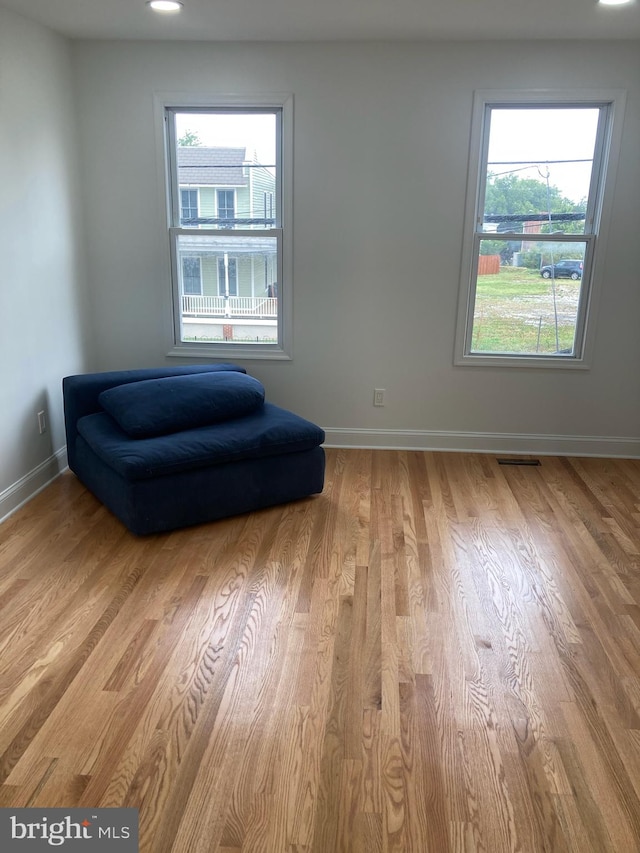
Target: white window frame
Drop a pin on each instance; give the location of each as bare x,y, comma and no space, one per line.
281,230
596,223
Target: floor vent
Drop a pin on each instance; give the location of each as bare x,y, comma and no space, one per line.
518,461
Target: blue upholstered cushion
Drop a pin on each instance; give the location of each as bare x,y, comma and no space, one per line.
156,407
267,431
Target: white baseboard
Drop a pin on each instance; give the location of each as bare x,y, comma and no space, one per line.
483,442
35,481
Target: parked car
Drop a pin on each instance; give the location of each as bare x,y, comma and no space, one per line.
563,269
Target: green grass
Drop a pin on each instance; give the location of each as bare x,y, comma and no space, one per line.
514,313
512,282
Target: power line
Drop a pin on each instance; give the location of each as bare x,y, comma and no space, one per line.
533,217
534,162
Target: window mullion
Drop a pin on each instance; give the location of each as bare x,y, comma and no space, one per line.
477,238
174,189
524,237
597,175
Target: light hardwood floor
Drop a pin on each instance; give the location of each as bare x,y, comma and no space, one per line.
437,654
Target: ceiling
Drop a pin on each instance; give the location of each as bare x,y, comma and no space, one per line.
319,20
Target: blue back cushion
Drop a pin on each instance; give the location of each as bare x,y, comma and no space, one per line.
161,406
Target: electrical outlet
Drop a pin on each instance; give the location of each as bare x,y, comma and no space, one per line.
42,422
378,396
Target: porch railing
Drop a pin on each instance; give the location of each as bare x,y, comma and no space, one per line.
232,306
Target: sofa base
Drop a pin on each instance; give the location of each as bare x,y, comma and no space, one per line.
198,496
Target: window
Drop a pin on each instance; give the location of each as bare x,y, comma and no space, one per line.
188,205
228,247
226,206
191,276
268,206
536,196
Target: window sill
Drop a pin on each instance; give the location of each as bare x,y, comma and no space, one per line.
228,353
535,361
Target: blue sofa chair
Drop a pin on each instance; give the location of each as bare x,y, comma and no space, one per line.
170,447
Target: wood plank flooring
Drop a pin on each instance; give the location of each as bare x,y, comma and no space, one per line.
436,655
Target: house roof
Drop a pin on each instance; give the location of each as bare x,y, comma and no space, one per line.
202,167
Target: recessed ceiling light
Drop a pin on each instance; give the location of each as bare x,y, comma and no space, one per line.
613,2
165,5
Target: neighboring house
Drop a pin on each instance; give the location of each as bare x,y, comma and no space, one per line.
223,188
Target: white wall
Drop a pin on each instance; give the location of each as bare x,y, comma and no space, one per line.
381,147
43,322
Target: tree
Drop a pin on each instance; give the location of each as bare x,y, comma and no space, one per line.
510,194
189,139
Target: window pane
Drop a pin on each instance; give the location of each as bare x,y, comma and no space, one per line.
226,206
527,296
539,167
238,300
188,206
191,278
230,157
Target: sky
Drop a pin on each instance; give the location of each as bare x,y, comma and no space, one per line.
539,135
252,131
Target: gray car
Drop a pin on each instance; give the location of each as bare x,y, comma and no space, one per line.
563,269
